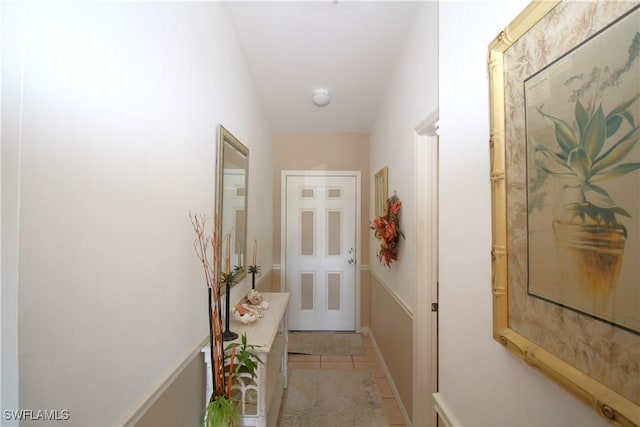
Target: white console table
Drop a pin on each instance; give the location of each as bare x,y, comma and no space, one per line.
259,398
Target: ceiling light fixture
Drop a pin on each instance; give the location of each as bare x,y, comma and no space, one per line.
321,97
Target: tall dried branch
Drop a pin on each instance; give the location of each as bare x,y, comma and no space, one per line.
212,277
200,245
231,366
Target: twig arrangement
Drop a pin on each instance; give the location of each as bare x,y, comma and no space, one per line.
212,276
220,412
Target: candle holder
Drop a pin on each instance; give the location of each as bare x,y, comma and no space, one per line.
254,269
228,279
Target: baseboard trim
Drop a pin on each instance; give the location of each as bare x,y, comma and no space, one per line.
444,411
137,411
394,389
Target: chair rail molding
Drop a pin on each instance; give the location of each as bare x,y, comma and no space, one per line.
139,409
444,411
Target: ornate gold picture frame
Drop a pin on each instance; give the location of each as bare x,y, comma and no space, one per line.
592,353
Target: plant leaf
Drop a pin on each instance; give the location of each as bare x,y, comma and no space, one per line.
581,116
616,172
220,412
614,119
629,116
567,175
621,211
580,163
622,107
618,152
558,158
613,124
250,367
565,136
598,196
592,140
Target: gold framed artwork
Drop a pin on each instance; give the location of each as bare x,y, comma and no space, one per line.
565,173
382,191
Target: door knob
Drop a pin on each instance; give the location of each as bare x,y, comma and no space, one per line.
352,261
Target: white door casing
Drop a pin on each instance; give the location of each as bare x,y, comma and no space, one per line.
320,223
425,321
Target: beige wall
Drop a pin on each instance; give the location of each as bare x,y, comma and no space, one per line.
392,329
322,151
268,283
330,152
182,402
365,297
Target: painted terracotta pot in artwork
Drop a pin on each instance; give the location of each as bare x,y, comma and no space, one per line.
590,254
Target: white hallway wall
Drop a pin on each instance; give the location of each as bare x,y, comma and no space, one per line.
110,126
411,95
482,383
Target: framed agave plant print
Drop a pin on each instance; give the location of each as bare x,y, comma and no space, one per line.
565,169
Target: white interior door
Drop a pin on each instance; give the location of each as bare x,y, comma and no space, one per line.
320,253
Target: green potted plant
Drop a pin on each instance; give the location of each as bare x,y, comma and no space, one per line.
221,410
589,236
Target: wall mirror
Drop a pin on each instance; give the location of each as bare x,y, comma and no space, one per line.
231,201
382,191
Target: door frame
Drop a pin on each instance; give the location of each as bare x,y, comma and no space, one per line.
425,322
283,226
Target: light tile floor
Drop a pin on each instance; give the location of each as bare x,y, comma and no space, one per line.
368,361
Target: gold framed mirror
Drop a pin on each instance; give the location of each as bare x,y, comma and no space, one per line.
382,192
231,202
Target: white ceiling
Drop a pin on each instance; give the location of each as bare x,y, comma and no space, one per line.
347,47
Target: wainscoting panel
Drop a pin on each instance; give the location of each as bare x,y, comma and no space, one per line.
392,328
179,400
181,404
